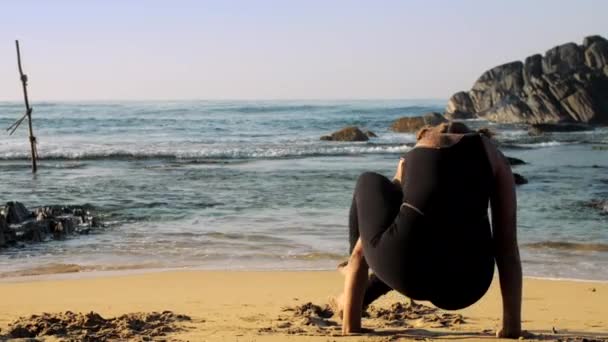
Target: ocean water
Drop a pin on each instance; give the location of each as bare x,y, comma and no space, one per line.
249,185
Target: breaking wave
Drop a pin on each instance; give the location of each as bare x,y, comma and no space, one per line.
569,246
215,153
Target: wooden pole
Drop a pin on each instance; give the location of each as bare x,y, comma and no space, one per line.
28,109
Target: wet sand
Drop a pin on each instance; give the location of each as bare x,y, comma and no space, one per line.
291,306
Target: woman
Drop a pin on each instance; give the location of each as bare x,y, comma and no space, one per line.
427,233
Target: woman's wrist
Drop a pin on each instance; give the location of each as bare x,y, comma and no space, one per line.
511,327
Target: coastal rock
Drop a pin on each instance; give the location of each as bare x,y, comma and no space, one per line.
568,84
515,161
596,54
16,212
351,133
54,222
601,205
7,235
563,59
33,231
413,124
519,179
540,129
3,228
510,109
460,107
370,134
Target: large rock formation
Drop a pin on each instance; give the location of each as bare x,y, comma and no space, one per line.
568,84
410,124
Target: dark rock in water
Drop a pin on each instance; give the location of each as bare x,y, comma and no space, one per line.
7,236
16,212
601,205
519,179
33,231
540,129
3,228
370,134
53,222
515,161
568,84
413,124
351,133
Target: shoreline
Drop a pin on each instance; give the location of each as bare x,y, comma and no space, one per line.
153,270
250,305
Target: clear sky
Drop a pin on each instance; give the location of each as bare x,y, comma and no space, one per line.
289,49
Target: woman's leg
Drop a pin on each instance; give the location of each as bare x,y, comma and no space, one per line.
375,287
375,205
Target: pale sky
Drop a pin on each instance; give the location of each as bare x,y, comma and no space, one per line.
290,49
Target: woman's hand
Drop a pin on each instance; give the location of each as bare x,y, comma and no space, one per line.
399,174
510,331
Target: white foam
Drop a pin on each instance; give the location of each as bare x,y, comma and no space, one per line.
188,151
542,144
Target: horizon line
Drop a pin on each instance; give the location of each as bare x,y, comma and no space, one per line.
227,99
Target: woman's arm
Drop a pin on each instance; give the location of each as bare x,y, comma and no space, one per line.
399,174
504,226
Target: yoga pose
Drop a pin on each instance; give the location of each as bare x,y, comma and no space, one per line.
427,233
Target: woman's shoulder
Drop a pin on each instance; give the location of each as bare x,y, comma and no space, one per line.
497,160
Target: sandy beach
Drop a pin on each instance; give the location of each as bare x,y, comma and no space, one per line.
270,306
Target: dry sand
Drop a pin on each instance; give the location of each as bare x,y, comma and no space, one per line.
272,306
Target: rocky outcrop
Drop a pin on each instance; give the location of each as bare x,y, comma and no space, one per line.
568,84
18,224
370,134
460,106
601,205
413,124
519,179
351,133
515,161
540,129
3,230
16,212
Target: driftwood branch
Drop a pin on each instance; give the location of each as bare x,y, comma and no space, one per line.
12,128
28,111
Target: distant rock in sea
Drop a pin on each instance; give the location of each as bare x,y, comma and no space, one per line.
519,179
515,161
18,224
540,129
568,84
413,124
601,205
351,133
370,134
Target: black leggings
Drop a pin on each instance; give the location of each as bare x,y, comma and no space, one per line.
382,215
401,246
